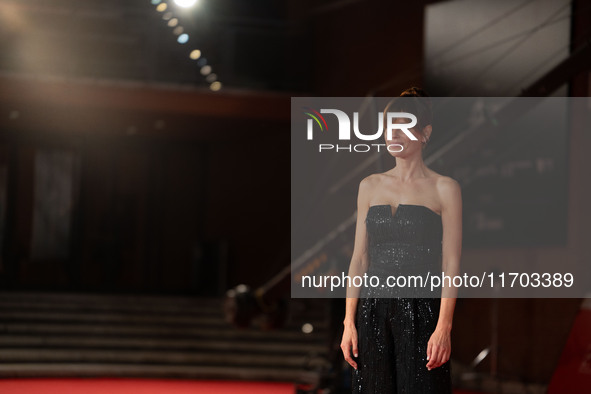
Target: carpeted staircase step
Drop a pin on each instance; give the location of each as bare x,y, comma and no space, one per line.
131,311
127,303
205,358
268,346
226,331
157,371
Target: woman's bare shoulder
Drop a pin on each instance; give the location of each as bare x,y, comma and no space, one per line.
442,180
445,181
369,186
371,181
448,188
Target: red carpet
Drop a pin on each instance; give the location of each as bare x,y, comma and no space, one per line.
144,386
138,386
573,373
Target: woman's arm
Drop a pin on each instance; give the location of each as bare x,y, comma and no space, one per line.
439,347
359,259
358,266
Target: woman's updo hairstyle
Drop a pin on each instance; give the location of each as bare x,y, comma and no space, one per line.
417,102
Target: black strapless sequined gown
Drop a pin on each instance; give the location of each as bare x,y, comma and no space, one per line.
393,332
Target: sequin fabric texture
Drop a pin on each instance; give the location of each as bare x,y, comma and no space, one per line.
393,331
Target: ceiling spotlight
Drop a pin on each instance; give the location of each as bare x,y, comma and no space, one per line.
183,38
205,70
178,30
211,77
307,328
161,7
173,22
215,86
195,54
167,15
155,2
185,3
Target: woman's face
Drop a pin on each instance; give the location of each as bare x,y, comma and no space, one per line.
401,145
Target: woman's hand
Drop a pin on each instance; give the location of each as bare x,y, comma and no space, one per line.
438,348
349,341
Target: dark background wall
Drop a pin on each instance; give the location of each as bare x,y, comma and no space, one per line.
153,192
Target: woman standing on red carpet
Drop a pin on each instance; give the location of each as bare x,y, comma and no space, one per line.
407,217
